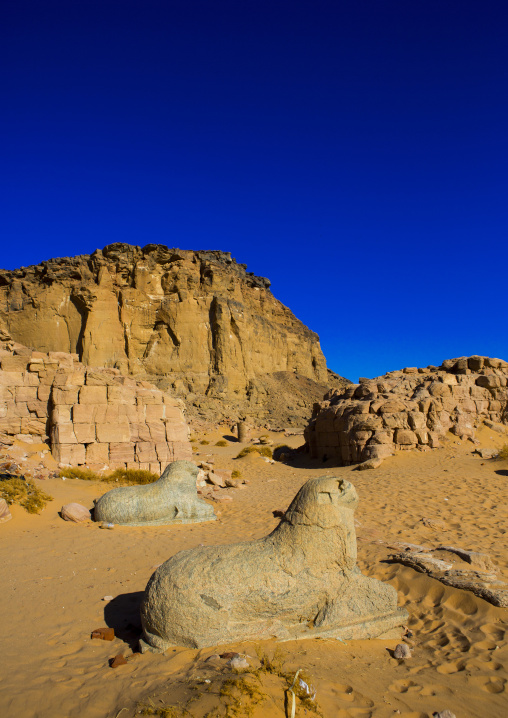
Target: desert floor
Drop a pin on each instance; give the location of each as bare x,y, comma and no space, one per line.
55,575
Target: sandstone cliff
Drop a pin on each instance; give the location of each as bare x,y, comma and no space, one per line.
197,321
408,409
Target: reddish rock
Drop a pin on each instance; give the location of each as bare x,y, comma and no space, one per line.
75,512
118,660
105,634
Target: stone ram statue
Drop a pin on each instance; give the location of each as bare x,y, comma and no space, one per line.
300,581
172,499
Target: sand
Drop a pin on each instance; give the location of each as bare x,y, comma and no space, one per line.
55,575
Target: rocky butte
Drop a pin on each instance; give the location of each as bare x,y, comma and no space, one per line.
196,322
409,409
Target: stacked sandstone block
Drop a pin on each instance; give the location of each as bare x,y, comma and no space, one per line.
408,409
93,417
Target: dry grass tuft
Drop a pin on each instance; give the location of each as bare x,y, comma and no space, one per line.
120,476
25,493
236,474
503,452
222,442
262,450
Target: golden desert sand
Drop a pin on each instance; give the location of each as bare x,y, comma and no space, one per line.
56,575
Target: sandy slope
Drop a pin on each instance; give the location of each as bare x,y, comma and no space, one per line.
55,574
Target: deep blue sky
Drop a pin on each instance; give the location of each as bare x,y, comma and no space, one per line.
355,152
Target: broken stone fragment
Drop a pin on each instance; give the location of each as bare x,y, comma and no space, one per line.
402,651
118,660
104,634
238,663
75,512
215,479
369,464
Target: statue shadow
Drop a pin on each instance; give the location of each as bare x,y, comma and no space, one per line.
122,614
230,437
501,472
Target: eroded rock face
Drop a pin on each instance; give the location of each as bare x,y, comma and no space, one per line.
172,499
197,318
301,581
408,409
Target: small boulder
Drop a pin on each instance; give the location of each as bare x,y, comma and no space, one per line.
402,651
444,714
118,660
369,464
238,663
105,634
216,480
487,453
75,512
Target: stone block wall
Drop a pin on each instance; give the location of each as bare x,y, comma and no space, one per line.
93,417
406,409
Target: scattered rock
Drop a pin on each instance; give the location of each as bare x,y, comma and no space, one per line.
369,464
229,655
402,651
107,598
75,512
500,428
479,561
5,514
232,483
487,453
238,663
118,660
105,634
216,479
444,714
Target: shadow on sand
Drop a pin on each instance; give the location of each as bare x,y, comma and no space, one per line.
501,472
122,614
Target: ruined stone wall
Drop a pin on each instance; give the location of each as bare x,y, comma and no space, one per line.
408,409
93,417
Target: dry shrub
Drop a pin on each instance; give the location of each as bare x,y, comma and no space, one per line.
236,474
204,442
503,452
25,493
262,450
120,476
222,442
